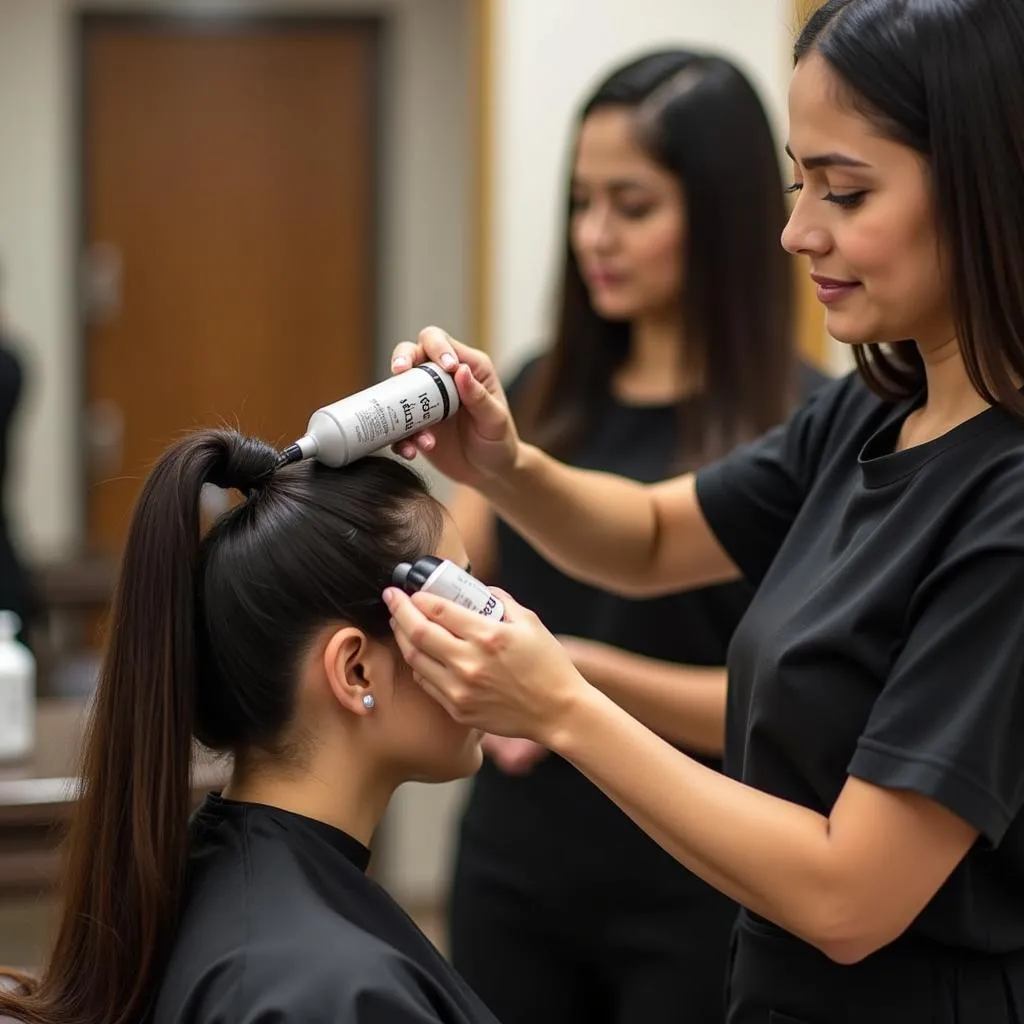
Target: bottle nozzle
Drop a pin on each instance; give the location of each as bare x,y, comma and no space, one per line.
400,574
302,449
293,453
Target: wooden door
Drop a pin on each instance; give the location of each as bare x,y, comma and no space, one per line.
229,235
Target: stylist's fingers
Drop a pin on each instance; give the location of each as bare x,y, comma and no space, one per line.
513,756
405,355
514,611
489,411
460,622
409,448
439,347
438,693
432,345
421,633
423,666
435,678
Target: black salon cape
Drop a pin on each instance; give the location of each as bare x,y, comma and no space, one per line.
281,926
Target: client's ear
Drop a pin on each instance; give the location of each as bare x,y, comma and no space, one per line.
353,669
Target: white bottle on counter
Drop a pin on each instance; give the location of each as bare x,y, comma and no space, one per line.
17,692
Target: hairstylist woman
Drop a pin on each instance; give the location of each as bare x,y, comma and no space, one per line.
674,342
872,825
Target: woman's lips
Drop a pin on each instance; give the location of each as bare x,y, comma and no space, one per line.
604,279
832,290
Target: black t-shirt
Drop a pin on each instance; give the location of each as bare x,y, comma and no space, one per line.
552,831
886,638
281,925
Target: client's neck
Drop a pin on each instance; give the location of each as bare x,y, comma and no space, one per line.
337,790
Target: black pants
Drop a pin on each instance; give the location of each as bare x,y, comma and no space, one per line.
549,958
777,979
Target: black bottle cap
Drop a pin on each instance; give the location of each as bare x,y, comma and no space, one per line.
410,576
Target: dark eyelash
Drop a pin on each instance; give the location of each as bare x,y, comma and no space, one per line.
853,199
846,201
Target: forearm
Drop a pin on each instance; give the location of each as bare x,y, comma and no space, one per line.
594,526
683,703
770,855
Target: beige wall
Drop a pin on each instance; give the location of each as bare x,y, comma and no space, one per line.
425,229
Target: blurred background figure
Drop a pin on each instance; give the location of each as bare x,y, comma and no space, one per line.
230,215
15,588
674,342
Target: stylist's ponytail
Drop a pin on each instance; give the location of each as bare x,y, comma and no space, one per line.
127,848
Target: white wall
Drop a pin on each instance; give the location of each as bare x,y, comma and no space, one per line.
550,54
36,228
425,212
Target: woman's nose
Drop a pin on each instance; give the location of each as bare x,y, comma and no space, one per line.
802,236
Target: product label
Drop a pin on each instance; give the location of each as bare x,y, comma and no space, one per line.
381,415
462,589
493,608
419,406
371,423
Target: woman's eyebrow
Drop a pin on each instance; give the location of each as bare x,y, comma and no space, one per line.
813,163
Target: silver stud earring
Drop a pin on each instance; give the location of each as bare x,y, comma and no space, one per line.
368,702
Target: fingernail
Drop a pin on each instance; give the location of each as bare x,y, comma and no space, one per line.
448,361
409,452
389,599
401,363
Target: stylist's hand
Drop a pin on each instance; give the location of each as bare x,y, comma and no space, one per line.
480,441
512,754
512,678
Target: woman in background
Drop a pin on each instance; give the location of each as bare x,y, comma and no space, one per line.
674,343
15,585
267,639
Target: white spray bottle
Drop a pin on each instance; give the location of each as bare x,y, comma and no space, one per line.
377,417
17,692
433,575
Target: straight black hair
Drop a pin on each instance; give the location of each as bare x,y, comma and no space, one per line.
698,117
205,641
946,78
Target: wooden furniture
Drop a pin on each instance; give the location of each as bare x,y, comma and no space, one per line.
73,597
37,796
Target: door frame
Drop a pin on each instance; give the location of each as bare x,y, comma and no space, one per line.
198,23
483,29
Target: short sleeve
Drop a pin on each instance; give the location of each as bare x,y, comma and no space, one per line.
949,722
751,497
